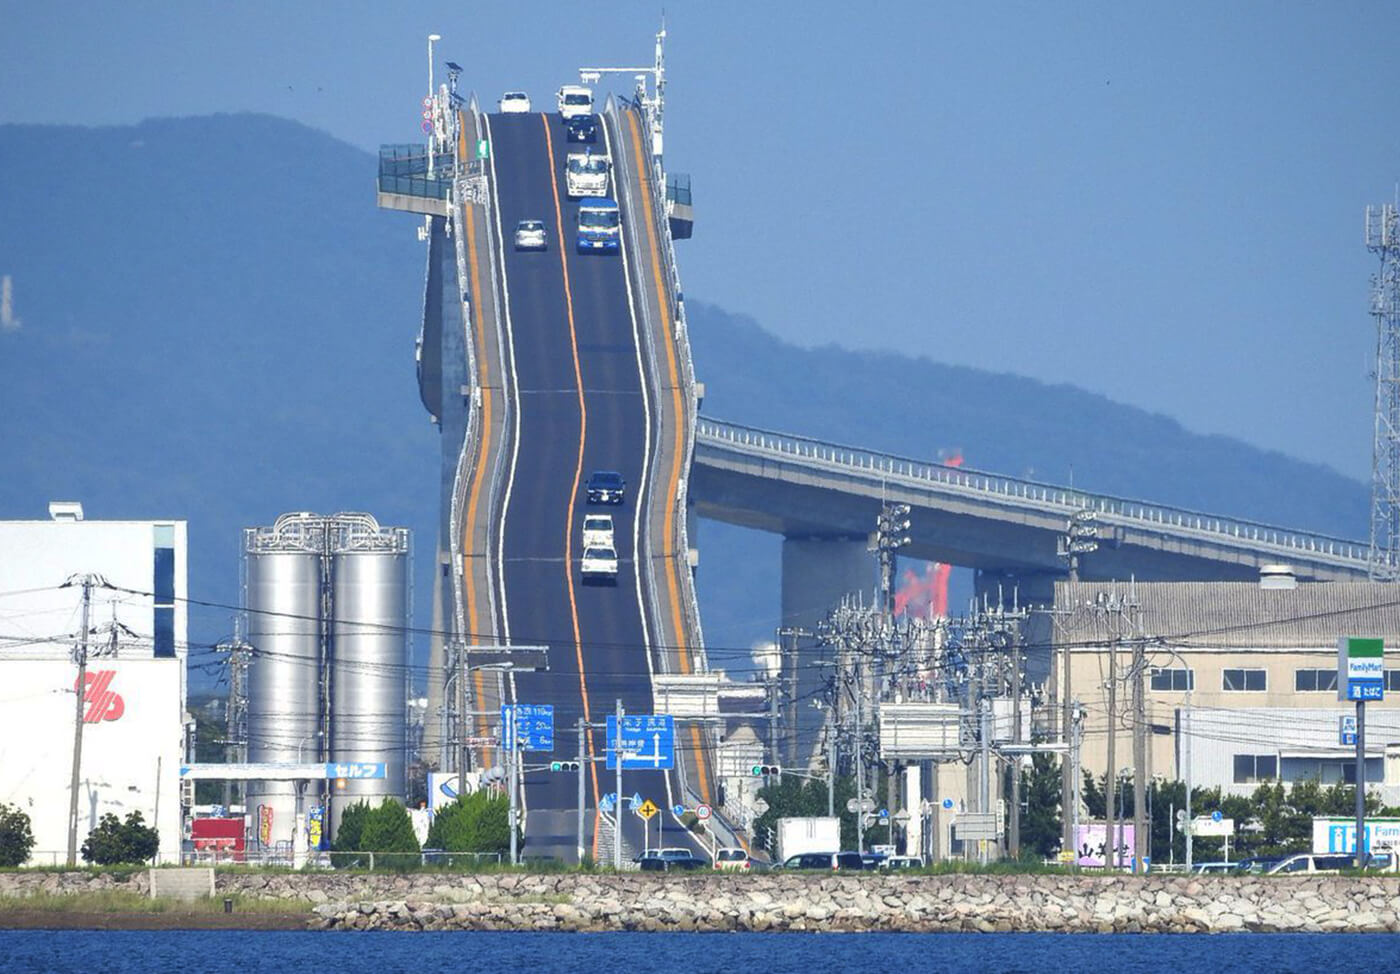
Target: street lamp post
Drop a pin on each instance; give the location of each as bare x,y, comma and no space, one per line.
299,818
432,121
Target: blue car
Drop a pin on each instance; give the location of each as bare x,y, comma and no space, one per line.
582,128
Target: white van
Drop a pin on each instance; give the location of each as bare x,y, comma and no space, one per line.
575,100
1311,863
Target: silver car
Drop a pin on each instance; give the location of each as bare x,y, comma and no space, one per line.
530,235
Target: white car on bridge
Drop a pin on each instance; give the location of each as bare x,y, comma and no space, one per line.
514,103
531,235
597,531
600,565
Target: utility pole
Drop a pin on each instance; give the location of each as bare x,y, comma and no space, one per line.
1141,825
617,807
984,705
1078,539
1383,239
581,759
860,766
79,691
1014,840
831,773
511,744
787,668
1111,778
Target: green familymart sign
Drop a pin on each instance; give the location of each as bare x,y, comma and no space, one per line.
1360,668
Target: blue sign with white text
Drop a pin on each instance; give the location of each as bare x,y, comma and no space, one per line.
530,726
648,742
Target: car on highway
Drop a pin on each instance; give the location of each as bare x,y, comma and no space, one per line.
895,863
830,861
606,487
1255,865
733,859
664,860
599,565
514,103
582,128
598,531
1308,863
531,235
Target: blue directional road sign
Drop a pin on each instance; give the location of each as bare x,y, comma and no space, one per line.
607,802
532,728
356,769
648,742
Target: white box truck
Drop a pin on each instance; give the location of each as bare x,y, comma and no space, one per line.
574,100
812,834
586,174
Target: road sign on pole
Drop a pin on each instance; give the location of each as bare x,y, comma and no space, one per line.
533,726
647,742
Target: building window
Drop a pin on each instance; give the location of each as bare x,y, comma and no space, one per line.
163,585
1392,681
1315,681
1174,679
1253,768
1242,680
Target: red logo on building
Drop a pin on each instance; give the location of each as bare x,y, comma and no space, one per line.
102,702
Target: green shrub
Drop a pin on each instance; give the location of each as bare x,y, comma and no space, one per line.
479,822
115,841
16,838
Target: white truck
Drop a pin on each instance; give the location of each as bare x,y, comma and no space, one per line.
812,834
597,531
575,100
586,174
600,564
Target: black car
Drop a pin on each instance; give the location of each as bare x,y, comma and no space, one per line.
653,862
831,861
582,128
606,487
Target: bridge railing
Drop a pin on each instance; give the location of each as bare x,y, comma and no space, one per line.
867,463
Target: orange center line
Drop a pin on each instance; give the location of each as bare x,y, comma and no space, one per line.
578,468
668,546
478,326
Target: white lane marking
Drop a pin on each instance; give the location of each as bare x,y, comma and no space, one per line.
511,395
640,507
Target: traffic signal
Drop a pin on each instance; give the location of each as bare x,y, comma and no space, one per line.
563,766
765,770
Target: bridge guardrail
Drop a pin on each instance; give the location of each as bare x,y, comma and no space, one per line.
1031,493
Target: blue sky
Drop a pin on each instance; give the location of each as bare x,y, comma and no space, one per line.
1161,203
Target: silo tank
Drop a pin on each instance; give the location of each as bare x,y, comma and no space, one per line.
369,672
284,590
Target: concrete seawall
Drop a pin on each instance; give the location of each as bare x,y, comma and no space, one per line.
772,902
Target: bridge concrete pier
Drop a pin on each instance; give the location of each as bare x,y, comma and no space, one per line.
818,572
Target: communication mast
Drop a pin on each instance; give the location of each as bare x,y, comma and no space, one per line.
1383,238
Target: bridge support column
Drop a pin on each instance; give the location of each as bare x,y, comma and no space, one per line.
817,574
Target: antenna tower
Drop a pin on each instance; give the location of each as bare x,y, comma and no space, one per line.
1383,239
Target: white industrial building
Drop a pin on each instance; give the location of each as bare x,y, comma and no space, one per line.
132,712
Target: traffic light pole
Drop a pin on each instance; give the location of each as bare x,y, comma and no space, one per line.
617,808
580,789
510,776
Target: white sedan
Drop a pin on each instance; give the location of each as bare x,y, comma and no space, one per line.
514,103
530,235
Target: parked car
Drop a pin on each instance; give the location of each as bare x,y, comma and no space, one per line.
902,862
666,860
606,487
1255,865
1213,867
531,235
830,861
514,103
1308,863
732,859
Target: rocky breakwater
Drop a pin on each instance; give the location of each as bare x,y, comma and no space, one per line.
796,902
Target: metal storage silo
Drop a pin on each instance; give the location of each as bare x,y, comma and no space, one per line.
283,572
369,667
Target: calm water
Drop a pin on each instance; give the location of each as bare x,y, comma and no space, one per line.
24,951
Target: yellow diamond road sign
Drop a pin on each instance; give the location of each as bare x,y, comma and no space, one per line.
648,809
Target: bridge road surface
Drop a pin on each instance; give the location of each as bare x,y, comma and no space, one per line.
543,595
